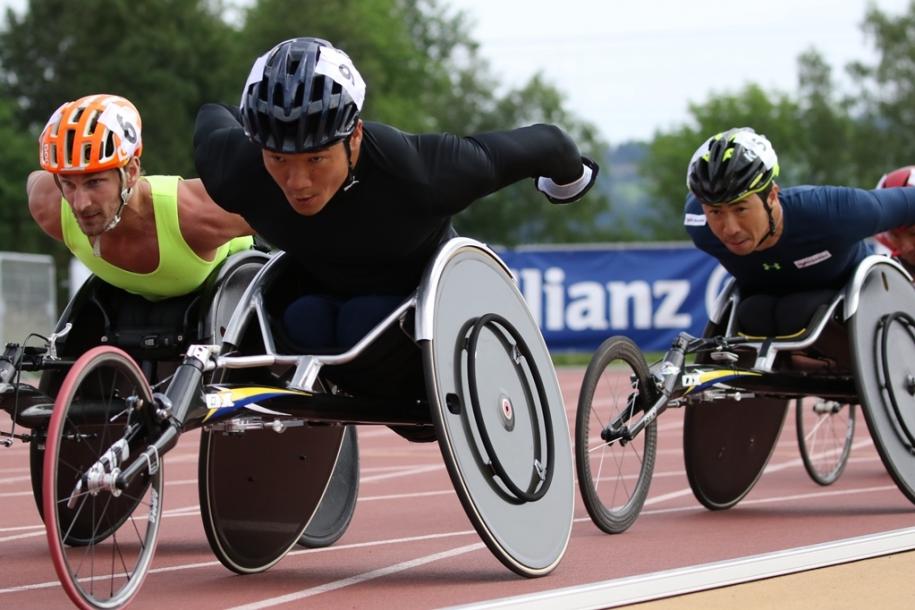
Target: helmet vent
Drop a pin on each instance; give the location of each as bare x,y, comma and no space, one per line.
69,147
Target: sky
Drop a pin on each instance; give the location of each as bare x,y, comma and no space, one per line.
632,67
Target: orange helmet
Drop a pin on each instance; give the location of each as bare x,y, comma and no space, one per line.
92,134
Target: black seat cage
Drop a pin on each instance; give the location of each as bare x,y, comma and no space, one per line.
768,348
308,366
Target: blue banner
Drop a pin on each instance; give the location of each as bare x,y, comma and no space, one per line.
581,296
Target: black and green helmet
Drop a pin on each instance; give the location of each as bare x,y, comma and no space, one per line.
731,166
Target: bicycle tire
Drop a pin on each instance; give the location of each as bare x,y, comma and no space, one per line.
611,515
118,532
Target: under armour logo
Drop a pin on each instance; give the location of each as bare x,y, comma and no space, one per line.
771,266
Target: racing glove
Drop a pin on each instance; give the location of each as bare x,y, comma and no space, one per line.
573,191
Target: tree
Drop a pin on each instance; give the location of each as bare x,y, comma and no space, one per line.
167,56
171,56
669,153
519,214
821,135
424,74
18,156
886,91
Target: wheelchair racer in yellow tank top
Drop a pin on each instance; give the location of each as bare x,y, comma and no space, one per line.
155,236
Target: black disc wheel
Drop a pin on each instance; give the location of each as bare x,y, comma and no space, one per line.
339,502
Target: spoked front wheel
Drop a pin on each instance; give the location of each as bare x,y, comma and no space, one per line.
825,431
101,540
614,477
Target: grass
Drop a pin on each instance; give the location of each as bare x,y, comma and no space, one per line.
583,358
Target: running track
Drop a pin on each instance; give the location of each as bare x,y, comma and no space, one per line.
411,546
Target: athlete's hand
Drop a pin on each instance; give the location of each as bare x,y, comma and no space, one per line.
573,191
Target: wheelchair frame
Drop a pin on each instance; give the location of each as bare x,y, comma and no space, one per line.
148,425
718,381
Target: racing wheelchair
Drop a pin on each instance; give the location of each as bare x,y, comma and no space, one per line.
473,368
155,334
856,347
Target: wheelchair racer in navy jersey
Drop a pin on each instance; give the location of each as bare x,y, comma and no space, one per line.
789,249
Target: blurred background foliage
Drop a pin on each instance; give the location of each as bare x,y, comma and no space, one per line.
424,73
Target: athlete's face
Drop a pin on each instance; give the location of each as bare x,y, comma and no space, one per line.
743,225
95,197
309,180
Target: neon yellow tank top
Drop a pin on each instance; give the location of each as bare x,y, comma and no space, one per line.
180,269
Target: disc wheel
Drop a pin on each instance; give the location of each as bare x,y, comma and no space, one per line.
336,510
614,477
101,542
882,333
825,432
497,408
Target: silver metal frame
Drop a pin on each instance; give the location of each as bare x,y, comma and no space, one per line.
767,350
307,367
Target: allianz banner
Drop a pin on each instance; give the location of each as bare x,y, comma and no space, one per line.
581,296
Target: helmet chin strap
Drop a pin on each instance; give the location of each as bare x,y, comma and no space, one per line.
771,222
351,180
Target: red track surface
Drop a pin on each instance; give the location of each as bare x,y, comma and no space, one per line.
411,546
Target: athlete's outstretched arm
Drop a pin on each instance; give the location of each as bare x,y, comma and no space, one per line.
204,225
44,202
455,171
223,154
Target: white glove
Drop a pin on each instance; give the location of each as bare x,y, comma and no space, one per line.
573,191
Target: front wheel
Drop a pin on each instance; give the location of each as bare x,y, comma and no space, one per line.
825,432
101,542
614,477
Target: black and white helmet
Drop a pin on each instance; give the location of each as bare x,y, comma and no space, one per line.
731,166
300,96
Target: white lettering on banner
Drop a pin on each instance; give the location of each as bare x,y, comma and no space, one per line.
554,290
590,305
673,294
621,293
588,308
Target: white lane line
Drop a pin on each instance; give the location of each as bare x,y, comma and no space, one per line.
33,534
360,578
194,510
373,469
680,581
15,494
745,502
418,494
793,463
402,473
186,511
215,563
21,528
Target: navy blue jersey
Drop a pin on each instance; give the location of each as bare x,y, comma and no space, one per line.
822,241
377,237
